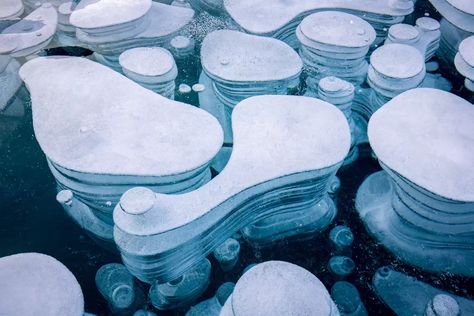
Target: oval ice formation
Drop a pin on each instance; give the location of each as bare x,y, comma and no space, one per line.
31,34
37,284
402,135
235,56
83,123
279,288
283,146
92,14
11,9
464,61
458,12
421,207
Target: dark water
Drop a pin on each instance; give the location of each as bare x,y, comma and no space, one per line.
32,221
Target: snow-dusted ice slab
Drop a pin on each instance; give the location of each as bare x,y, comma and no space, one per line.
95,120
267,16
464,61
30,34
36,284
422,206
235,56
92,14
11,9
279,288
458,12
407,296
427,136
284,146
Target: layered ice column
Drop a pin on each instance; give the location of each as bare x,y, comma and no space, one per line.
334,43
37,284
421,207
279,288
456,25
152,67
110,27
279,19
464,62
103,134
286,149
238,65
393,69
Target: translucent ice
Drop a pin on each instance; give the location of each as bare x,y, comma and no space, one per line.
116,285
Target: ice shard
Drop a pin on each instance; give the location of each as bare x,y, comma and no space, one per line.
104,134
421,207
37,284
286,149
279,288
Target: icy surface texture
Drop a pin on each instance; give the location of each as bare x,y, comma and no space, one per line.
334,43
424,36
464,61
83,123
279,288
11,9
182,291
347,299
213,306
451,37
175,232
458,12
341,266
10,81
422,206
36,284
406,296
227,254
116,285
31,34
279,19
152,67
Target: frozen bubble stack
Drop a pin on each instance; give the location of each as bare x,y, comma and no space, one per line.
37,284
406,296
334,43
227,254
393,69
89,145
279,19
456,25
183,291
182,47
116,285
240,66
347,299
110,27
165,235
152,67
11,9
421,207
340,93
424,36
279,288
464,62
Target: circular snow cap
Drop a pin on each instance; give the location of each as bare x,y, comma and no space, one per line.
427,136
397,61
338,29
403,32
280,288
37,284
147,61
137,200
427,24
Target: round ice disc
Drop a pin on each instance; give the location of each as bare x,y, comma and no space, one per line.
466,50
398,61
427,136
280,288
147,61
337,29
36,284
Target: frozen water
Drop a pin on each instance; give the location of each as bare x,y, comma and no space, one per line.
116,285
